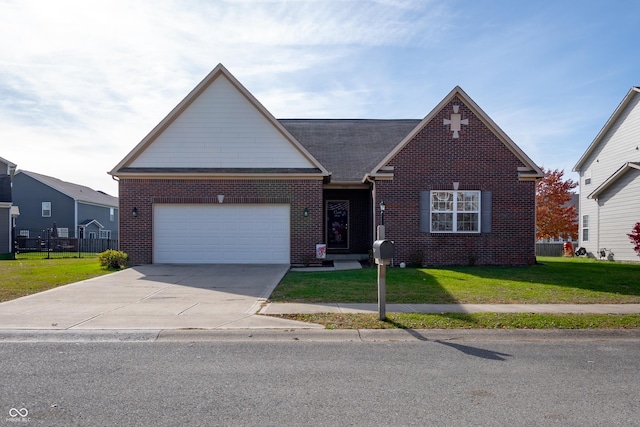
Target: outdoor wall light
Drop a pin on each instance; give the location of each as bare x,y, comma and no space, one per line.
305,212
220,198
382,208
134,212
456,185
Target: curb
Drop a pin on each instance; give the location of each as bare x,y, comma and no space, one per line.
320,335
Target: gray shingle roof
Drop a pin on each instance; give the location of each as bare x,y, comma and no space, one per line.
75,191
349,148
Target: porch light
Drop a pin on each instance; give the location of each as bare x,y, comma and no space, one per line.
456,185
134,212
382,208
305,212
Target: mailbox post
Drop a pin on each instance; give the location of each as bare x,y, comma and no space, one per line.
383,251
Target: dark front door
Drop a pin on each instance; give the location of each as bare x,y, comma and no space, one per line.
337,224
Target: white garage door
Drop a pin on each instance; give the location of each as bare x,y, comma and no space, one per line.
221,234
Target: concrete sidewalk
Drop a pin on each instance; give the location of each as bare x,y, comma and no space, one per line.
295,308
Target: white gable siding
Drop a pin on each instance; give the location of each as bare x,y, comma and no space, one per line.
221,129
616,147
619,211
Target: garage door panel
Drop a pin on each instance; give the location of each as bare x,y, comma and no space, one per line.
221,234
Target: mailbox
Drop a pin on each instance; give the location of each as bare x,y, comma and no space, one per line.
383,251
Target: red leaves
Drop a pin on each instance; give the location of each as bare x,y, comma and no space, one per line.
555,216
635,237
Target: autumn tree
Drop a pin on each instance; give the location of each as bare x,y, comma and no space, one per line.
555,216
635,238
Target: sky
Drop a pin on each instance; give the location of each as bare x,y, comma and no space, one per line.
83,82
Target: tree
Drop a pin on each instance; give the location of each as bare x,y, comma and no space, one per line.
635,237
555,216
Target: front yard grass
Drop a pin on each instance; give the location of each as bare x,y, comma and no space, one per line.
23,277
552,281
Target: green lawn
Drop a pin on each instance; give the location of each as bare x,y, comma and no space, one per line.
555,280
28,276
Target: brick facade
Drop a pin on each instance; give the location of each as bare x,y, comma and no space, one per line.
136,233
478,160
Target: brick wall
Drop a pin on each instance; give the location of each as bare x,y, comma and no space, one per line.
136,233
478,160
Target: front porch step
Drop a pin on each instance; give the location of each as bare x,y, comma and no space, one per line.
346,265
347,257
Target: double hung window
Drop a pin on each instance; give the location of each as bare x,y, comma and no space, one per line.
455,211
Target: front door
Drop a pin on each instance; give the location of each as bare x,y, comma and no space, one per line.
337,224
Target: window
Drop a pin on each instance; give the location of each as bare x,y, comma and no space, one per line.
585,228
455,211
63,232
112,214
92,234
105,234
46,209
24,233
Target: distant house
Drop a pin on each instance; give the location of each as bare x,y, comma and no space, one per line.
7,209
610,184
220,180
75,211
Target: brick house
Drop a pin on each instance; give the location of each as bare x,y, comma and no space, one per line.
220,180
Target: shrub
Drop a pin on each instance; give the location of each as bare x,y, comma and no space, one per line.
114,260
635,238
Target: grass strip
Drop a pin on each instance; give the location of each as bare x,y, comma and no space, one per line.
469,321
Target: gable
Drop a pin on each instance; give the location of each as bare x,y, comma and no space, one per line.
618,138
458,120
219,127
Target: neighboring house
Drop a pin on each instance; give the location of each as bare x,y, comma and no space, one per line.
7,209
610,184
77,211
220,180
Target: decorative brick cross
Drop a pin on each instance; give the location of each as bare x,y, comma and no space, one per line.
456,121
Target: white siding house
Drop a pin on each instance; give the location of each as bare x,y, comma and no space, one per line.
610,184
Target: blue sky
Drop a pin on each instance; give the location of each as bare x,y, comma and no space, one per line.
82,82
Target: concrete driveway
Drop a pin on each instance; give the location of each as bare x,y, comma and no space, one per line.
158,296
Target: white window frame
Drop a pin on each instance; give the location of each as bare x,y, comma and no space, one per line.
63,232
104,234
585,228
46,209
112,214
446,203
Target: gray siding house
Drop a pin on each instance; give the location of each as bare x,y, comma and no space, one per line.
77,211
7,210
610,184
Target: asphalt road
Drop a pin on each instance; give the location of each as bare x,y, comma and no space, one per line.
476,381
